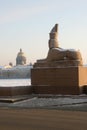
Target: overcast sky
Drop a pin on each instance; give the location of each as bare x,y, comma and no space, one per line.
26,24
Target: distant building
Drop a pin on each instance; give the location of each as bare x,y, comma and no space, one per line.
15,72
21,70
21,58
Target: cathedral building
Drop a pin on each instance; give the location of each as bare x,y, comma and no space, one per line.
21,58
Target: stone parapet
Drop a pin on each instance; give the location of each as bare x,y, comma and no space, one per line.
15,91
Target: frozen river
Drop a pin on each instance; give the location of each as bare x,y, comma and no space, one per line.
14,82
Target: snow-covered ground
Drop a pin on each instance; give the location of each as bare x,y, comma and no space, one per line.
50,102
14,82
62,102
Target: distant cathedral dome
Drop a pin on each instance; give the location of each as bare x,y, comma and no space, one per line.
21,58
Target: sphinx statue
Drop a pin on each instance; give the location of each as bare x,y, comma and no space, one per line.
59,57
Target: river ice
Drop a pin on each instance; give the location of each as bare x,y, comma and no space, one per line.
14,82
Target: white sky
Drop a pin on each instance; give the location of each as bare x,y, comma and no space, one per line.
26,24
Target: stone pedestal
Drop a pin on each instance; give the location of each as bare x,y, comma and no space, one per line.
67,80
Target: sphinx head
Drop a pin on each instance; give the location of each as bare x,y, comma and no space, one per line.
53,42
